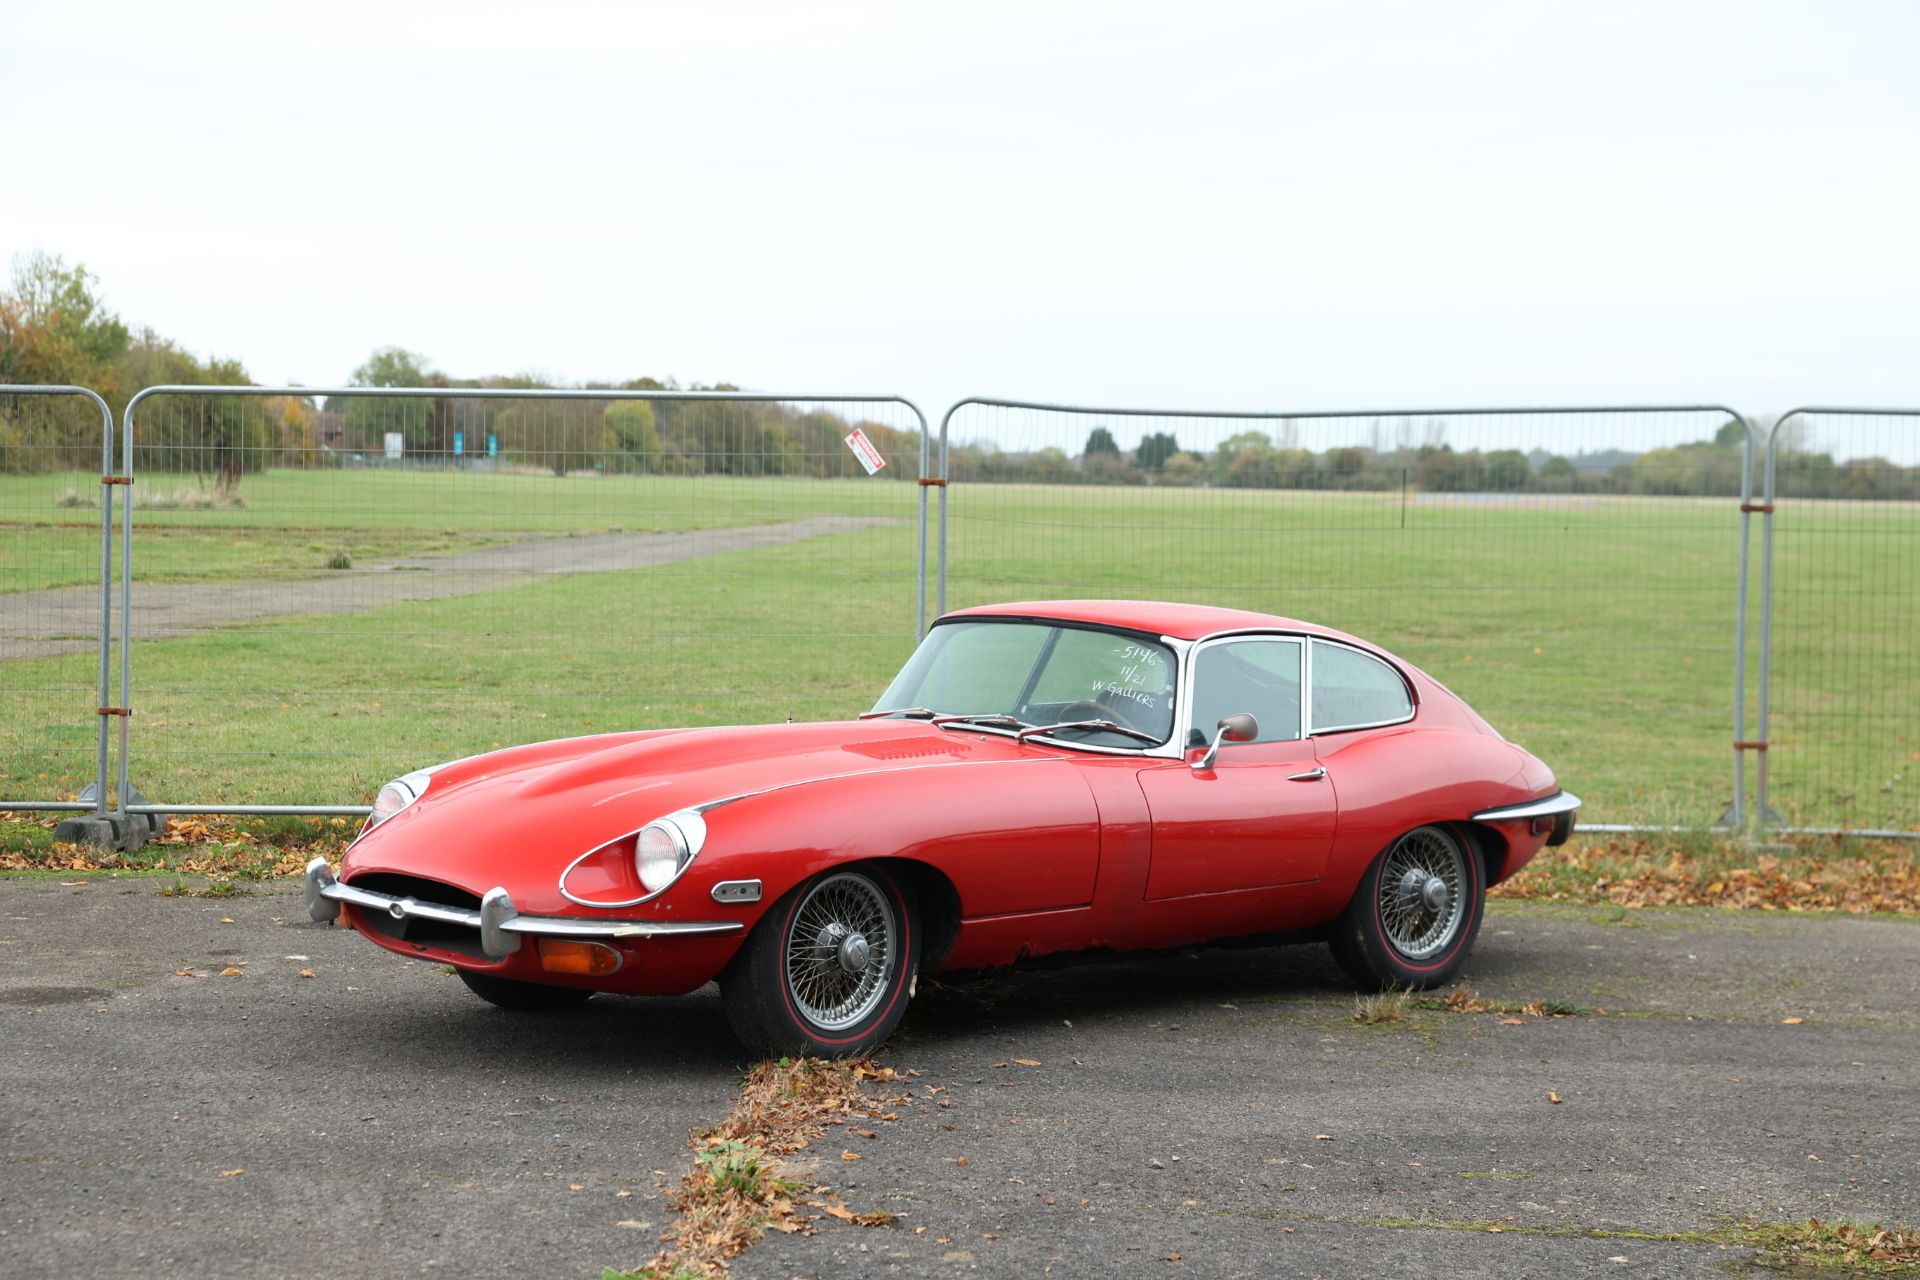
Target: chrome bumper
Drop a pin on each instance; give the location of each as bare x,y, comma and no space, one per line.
499,924
1551,807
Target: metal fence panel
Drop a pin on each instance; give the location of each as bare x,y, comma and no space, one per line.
1841,711
337,586
1570,572
56,518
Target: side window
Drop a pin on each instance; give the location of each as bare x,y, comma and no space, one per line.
1352,689
1257,675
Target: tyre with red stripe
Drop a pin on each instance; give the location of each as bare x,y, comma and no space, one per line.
1413,919
830,969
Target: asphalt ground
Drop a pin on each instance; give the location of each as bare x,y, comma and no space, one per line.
159,1116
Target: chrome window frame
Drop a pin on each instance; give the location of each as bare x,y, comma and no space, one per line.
1188,698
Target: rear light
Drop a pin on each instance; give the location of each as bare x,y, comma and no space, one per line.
587,959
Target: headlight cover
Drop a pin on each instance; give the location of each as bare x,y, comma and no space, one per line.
664,847
660,852
397,795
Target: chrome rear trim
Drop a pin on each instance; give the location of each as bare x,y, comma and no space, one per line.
499,925
1552,806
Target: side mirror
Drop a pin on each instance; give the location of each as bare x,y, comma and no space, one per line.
1241,727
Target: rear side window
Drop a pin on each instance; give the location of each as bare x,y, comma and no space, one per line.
1352,690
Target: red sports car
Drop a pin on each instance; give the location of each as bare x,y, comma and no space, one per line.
1042,777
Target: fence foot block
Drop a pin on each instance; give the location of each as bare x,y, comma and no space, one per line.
113,830
109,831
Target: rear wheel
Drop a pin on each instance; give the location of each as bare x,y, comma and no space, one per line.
510,993
829,969
1413,919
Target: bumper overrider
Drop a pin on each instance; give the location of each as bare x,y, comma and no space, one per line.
500,925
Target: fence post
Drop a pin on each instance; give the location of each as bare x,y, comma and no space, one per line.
1735,818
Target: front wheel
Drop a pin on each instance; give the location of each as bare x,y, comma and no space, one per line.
510,993
829,970
1413,919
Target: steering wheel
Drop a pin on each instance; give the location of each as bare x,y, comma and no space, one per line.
1090,710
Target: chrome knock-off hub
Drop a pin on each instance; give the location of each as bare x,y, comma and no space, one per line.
854,953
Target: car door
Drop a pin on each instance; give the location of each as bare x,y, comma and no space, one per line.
1262,813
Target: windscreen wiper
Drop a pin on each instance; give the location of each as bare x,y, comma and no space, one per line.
1107,726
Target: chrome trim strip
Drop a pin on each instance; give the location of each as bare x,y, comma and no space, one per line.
1551,806
499,925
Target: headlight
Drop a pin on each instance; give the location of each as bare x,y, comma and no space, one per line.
665,846
397,795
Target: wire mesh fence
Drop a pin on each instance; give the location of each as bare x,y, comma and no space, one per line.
56,517
1570,572
338,586
1842,708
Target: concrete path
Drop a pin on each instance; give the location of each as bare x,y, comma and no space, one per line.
159,1119
40,624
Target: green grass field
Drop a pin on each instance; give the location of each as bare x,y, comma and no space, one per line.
1598,632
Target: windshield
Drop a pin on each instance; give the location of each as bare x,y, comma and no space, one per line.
1041,673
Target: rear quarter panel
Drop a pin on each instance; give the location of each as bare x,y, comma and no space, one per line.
1390,781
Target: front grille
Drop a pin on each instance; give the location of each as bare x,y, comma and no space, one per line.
429,933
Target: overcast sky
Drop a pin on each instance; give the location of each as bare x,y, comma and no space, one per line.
1256,205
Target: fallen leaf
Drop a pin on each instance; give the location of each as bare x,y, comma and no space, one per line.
231,1173
1286,1231
1553,1097
961,1161
1323,1137
1028,1062
308,973
576,1186
1791,1022
1495,1230
1513,1022
1173,1257
839,1211
226,919
622,1195
231,972
865,1133
185,973
849,1155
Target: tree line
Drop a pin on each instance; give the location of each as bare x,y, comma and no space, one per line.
55,329
1254,460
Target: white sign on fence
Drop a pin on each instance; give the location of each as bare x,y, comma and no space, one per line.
396,445
863,449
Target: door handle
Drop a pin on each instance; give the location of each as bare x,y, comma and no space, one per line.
1311,775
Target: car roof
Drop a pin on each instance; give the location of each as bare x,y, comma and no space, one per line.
1181,621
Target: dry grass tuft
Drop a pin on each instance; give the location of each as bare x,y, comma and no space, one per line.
1382,1008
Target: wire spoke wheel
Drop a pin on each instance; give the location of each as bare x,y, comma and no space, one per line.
841,951
1424,882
